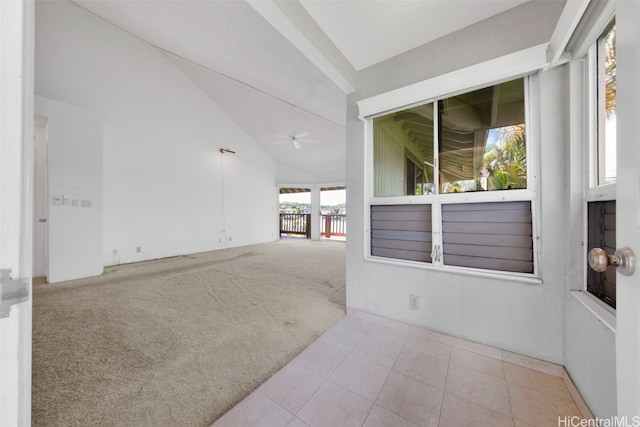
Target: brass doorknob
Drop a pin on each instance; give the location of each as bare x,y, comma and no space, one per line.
624,259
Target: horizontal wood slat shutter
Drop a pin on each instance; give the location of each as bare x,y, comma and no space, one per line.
492,236
401,232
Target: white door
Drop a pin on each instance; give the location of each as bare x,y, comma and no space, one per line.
16,204
628,202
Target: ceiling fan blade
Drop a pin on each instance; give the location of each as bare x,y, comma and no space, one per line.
282,142
300,135
309,141
296,143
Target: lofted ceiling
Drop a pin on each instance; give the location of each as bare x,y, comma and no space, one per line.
261,60
368,32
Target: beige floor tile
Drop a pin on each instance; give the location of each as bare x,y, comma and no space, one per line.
415,376
429,346
292,386
411,399
341,338
297,422
479,388
393,324
380,352
422,367
531,363
334,405
477,362
359,325
395,336
436,336
256,410
380,417
361,377
475,347
457,412
538,380
321,358
539,408
361,315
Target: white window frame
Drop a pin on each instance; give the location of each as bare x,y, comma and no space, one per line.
594,192
584,146
525,64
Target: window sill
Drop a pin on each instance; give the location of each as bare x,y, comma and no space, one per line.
595,307
487,274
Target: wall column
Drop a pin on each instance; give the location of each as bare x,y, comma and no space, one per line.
315,213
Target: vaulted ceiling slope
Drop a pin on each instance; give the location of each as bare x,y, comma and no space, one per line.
258,59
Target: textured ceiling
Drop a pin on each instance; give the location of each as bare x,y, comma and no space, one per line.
368,32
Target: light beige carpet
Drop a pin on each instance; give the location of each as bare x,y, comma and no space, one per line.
179,341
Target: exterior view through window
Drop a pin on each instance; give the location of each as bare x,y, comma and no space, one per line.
607,107
475,141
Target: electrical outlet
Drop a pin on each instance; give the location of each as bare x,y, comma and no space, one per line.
413,302
138,249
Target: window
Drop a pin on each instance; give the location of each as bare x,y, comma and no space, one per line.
600,202
606,71
492,236
451,185
482,139
601,220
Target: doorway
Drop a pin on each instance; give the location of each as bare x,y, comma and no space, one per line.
295,213
40,200
333,213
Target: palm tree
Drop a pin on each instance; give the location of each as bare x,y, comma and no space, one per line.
506,162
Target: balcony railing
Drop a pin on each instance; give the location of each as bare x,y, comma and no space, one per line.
300,224
334,225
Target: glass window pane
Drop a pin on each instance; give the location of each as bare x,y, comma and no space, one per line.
607,107
403,152
482,139
601,233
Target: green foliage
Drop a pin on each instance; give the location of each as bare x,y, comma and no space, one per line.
609,41
506,162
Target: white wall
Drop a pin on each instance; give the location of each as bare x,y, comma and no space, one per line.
167,188
591,358
75,173
524,318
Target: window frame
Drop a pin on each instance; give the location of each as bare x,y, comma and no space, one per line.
581,128
593,190
525,64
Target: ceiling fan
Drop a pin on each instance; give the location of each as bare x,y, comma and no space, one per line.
294,137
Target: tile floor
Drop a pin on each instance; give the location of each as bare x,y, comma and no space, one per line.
369,371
